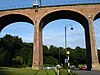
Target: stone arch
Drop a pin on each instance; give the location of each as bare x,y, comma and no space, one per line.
64,14
68,14
11,18
97,16
96,63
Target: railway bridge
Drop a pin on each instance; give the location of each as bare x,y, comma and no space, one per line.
85,14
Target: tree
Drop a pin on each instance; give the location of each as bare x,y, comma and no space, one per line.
15,52
99,55
51,60
26,53
78,56
18,61
5,59
11,46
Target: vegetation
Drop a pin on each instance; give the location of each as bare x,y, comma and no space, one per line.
24,71
64,72
16,53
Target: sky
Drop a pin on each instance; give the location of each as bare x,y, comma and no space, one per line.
53,32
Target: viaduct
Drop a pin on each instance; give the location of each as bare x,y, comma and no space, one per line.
40,17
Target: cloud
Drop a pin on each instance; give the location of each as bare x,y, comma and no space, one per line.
97,32
21,29
54,33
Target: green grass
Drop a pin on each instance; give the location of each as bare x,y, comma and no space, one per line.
65,72
24,71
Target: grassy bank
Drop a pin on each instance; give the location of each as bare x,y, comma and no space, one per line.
24,71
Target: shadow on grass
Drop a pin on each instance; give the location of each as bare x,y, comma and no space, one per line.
46,72
22,71
36,72
3,71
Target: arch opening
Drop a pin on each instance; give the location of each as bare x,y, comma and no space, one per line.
67,14
57,27
54,39
64,14
12,18
97,16
20,29
97,33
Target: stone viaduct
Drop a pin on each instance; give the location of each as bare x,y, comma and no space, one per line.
40,17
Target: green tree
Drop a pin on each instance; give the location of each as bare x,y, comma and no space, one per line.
18,61
78,56
5,58
14,52
26,53
11,46
51,60
99,55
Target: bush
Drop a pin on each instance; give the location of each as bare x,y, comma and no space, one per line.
65,72
50,65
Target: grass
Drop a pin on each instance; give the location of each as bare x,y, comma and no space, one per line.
65,72
24,71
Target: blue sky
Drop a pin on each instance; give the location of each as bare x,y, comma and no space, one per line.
53,33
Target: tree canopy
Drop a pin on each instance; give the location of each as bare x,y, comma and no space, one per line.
16,53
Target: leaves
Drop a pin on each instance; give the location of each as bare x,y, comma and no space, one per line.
14,52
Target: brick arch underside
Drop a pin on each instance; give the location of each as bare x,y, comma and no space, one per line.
97,16
64,14
12,18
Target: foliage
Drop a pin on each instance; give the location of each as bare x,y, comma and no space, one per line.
16,53
13,52
50,60
99,55
78,56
